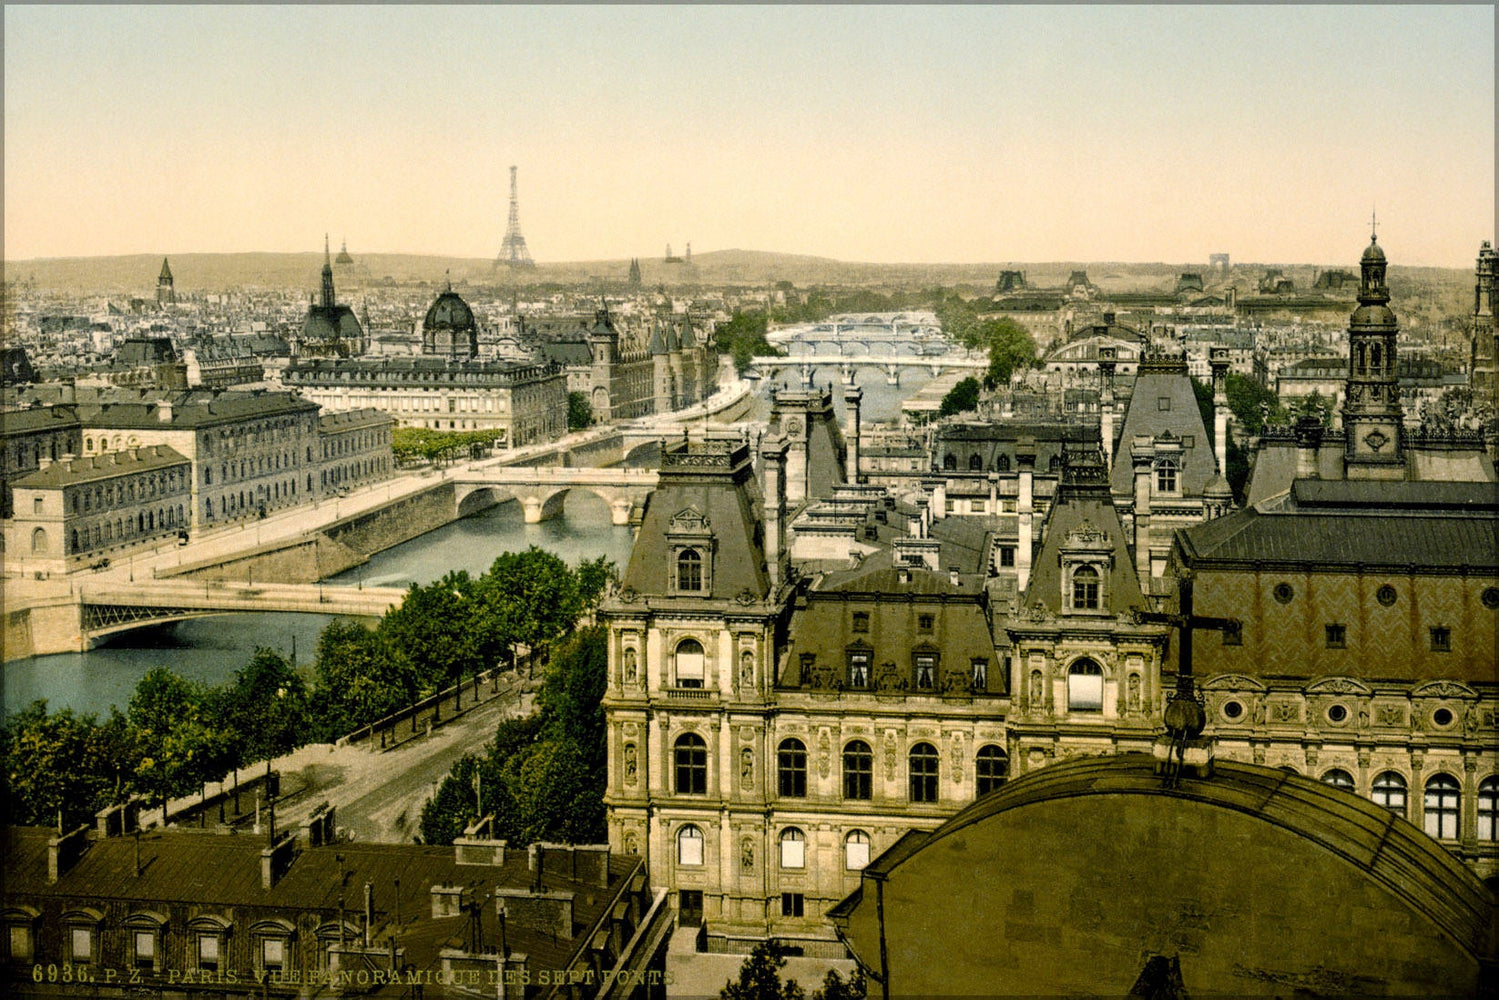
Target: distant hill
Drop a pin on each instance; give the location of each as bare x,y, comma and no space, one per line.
135,274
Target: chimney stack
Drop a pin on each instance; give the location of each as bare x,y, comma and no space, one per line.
773,461
1143,457
1308,443
1218,359
1025,461
852,397
1107,360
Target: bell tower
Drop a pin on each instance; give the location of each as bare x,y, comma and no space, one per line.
1372,416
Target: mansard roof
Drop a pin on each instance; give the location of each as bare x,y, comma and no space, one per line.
716,480
1083,509
1169,381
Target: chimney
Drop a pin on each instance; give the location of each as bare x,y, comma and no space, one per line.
773,461
1107,360
276,859
902,575
1218,359
1025,507
1308,442
64,850
1143,457
1108,318
852,397
164,411
939,501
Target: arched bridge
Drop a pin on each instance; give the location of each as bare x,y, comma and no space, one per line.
542,490
769,367
111,608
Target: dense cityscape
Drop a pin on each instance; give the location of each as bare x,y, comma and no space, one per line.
1059,557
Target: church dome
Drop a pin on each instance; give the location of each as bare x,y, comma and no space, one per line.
449,312
1373,255
1374,314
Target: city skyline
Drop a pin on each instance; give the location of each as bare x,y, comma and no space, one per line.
889,134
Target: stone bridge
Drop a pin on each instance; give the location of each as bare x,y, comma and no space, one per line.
542,490
846,364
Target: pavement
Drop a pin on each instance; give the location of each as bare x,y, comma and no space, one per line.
377,796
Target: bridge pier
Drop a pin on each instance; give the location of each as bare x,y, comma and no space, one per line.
892,375
534,511
847,371
620,511
806,375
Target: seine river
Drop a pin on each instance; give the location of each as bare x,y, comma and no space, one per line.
211,649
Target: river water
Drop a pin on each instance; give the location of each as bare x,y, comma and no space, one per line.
211,649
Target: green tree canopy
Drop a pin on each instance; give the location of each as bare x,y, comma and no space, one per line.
579,411
265,711
961,398
362,676
62,762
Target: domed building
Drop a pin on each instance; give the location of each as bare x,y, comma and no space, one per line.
330,330
449,330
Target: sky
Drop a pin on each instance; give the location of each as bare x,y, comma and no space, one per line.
962,134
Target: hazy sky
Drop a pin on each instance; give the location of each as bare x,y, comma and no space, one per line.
954,134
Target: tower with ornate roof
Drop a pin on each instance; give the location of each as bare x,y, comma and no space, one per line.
1372,416
166,294
1485,351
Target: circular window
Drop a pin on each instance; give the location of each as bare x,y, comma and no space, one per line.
1490,597
1283,593
1442,717
1385,595
1337,713
1233,709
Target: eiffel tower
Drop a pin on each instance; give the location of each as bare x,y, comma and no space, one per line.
513,250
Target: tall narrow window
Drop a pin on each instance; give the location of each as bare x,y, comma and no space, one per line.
992,768
926,671
855,850
791,768
1488,809
858,771
858,669
689,663
1085,687
689,570
689,846
793,848
1085,588
1443,800
1165,477
690,755
1388,791
923,768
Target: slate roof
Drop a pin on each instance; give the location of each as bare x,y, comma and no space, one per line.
1075,506
717,481
96,468
215,870
1320,524
195,409
38,419
1154,382
568,353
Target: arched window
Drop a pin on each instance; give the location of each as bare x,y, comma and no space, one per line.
1389,791
858,771
1085,687
1338,778
689,570
950,463
691,757
1443,800
1165,476
1085,588
923,767
791,768
1488,809
975,463
689,663
856,850
38,540
992,768
1002,464
793,848
689,845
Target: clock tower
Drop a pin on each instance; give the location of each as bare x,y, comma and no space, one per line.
1372,414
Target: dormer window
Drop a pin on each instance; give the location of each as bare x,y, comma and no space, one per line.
689,570
1165,476
1085,589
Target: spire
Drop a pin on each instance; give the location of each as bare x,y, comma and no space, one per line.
327,275
166,273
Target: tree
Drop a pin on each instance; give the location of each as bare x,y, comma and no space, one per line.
1010,346
441,628
528,597
579,411
743,336
266,711
573,693
1250,402
176,749
594,578
961,398
61,763
835,987
760,976
361,676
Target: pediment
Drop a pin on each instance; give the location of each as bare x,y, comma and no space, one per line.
689,520
1338,685
1233,682
1444,689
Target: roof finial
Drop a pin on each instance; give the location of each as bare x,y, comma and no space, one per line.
1373,226
448,277
326,254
